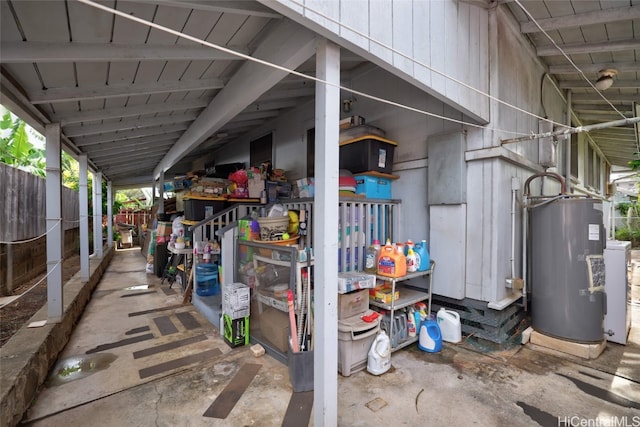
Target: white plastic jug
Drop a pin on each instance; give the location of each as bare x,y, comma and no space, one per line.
379,360
449,322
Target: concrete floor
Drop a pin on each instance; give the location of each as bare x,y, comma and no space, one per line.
127,366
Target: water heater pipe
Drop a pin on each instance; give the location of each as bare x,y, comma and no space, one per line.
513,232
525,215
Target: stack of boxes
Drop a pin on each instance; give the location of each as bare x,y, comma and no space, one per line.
355,335
236,299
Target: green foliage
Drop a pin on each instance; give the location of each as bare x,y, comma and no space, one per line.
623,207
630,235
16,150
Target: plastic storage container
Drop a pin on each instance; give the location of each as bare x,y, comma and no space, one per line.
355,337
367,153
450,327
373,187
194,209
207,280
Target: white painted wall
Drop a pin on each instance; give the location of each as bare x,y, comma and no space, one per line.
419,41
515,76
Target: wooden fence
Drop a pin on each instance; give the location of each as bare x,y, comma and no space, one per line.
23,226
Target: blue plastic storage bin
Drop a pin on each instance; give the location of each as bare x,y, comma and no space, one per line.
373,187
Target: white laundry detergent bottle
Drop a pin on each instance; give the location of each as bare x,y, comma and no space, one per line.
379,360
449,323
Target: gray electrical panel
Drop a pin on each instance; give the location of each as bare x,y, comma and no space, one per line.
447,169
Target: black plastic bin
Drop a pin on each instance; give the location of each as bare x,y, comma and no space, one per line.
369,153
195,209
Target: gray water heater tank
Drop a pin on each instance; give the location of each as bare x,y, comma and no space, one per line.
567,240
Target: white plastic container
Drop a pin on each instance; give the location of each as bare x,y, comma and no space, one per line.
379,360
355,337
449,323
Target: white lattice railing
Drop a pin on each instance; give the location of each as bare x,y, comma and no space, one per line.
360,222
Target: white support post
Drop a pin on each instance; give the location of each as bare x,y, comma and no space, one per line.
55,231
326,240
161,197
109,214
84,219
97,214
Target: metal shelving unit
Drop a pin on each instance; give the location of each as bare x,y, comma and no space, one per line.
409,295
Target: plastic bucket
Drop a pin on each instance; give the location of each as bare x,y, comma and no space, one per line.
207,280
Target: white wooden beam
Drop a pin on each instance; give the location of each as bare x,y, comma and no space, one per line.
613,97
117,90
42,52
130,134
73,131
230,7
67,118
605,16
581,84
600,47
287,45
55,231
129,149
594,68
325,360
125,143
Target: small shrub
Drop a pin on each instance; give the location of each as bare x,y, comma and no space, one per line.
623,234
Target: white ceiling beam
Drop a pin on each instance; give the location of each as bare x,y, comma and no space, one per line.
52,95
158,132
582,84
147,167
42,52
73,131
132,111
256,115
600,47
594,68
582,19
289,45
129,148
613,97
602,107
232,7
604,117
270,105
124,143
117,160
276,94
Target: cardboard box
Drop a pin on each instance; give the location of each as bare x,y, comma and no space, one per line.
274,325
353,303
236,331
236,298
382,293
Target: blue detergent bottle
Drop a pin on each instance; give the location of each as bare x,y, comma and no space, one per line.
430,336
423,254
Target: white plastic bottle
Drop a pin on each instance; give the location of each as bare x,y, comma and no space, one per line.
411,322
379,360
